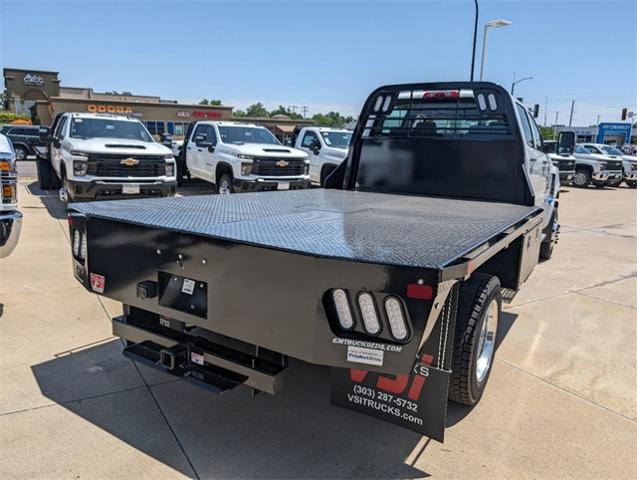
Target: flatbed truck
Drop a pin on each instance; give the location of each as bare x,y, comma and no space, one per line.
393,275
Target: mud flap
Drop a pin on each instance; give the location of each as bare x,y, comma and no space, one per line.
417,401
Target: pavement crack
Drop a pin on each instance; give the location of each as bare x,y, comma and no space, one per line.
608,282
566,390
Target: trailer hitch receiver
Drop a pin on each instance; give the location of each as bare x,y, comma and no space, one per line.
172,357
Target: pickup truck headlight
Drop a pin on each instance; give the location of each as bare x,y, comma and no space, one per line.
170,169
244,156
77,153
80,167
246,168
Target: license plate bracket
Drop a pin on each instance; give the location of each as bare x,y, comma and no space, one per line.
130,189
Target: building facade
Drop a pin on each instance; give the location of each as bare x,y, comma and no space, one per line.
611,133
40,94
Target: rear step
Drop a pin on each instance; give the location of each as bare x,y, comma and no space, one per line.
508,295
196,365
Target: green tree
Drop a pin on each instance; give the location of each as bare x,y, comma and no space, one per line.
238,113
257,110
331,119
547,133
281,110
205,101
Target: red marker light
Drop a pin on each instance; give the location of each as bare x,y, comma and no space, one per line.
419,291
440,94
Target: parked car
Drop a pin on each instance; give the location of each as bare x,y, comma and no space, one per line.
10,217
392,275
326,149
562,158
94,155
241,157
24,138
594,166
629,164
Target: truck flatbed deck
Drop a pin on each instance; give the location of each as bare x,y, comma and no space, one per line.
389,229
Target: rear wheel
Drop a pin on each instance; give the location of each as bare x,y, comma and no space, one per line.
550,238
477,319
224,187
582,178
20,153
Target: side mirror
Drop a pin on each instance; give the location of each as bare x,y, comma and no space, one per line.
316,148
44,133
57,143
211,148
566,143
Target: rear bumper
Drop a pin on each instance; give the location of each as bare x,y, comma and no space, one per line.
260,184
10,226
112,190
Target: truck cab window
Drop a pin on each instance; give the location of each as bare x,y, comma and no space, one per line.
309,139
59,131
526,126
211,135
201,130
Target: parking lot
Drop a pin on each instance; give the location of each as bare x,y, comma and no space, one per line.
561,401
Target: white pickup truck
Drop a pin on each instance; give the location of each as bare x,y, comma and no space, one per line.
241,157
326,147
10,218
93,156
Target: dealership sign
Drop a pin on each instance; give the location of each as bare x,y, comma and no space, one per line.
202,114
615,129
121,109
33,80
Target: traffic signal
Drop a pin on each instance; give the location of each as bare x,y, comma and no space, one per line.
624,113
536,110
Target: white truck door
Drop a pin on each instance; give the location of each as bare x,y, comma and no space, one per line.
195,152
311,144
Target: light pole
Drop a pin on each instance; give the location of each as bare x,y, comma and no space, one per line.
515,82
495,24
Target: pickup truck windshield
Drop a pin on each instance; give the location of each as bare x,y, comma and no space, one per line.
612,150
108,128
239,135
337,139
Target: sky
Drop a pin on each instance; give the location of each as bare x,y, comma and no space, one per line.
329,55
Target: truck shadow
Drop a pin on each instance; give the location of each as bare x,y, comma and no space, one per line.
297,434
457,412
50,200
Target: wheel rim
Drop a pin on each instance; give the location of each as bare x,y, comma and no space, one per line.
20,154
580,179
486,342
224,188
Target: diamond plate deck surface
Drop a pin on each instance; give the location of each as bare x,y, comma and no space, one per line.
368,227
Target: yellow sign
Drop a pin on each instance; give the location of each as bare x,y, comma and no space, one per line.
93,108
129,162
282,163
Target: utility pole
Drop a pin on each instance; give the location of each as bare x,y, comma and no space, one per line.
475,37
570,120
597,120
557,114
304,110
546,108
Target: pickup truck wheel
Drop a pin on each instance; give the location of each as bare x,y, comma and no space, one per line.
582,178
20,153
224,187
550,239
631,184
477,319
614,183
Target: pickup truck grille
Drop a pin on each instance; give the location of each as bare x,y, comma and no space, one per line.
278,167
613,165
566,165
110,165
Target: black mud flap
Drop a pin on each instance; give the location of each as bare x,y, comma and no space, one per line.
417,401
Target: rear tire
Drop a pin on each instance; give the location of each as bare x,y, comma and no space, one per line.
479,306
614,184
546,247
224,187
631,184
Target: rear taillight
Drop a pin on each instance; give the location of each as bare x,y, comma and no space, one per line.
343,309
396,318
77,242
368,312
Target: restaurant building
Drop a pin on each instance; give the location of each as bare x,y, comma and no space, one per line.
40,94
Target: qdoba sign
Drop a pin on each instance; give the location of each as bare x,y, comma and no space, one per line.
109,109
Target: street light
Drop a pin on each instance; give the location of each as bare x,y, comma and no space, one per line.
495,24
515,82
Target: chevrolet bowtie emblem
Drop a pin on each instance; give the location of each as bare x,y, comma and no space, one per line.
129,162
282,163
